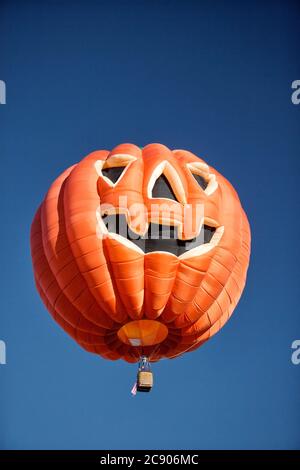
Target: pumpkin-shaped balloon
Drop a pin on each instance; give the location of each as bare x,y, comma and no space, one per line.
135,292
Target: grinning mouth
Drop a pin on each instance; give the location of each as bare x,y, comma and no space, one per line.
161,237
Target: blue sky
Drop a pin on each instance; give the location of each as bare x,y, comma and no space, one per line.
211,77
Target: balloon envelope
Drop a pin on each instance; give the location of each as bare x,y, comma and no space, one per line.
140,252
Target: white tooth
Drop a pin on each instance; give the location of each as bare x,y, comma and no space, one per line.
200,225
200,250
135,230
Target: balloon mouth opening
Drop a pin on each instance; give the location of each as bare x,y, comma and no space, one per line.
143,333
160,236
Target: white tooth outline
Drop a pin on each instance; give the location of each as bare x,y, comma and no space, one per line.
204,247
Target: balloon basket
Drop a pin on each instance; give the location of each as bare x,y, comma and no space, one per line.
144,381
144,376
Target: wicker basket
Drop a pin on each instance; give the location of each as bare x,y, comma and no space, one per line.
144,381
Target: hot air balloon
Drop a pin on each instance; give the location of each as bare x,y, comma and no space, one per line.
140,254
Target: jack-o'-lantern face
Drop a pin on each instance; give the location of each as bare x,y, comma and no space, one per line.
159,240
159,203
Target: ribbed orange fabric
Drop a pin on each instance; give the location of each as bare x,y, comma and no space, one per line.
93,286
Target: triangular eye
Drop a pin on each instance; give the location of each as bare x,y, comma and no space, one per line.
165,183
114,167
113,173
163,189
200,172
200,180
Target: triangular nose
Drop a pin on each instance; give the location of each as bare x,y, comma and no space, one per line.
165,182
163,188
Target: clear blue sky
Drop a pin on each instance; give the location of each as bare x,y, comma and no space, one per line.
211,77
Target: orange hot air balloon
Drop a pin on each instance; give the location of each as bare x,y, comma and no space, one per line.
140,252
